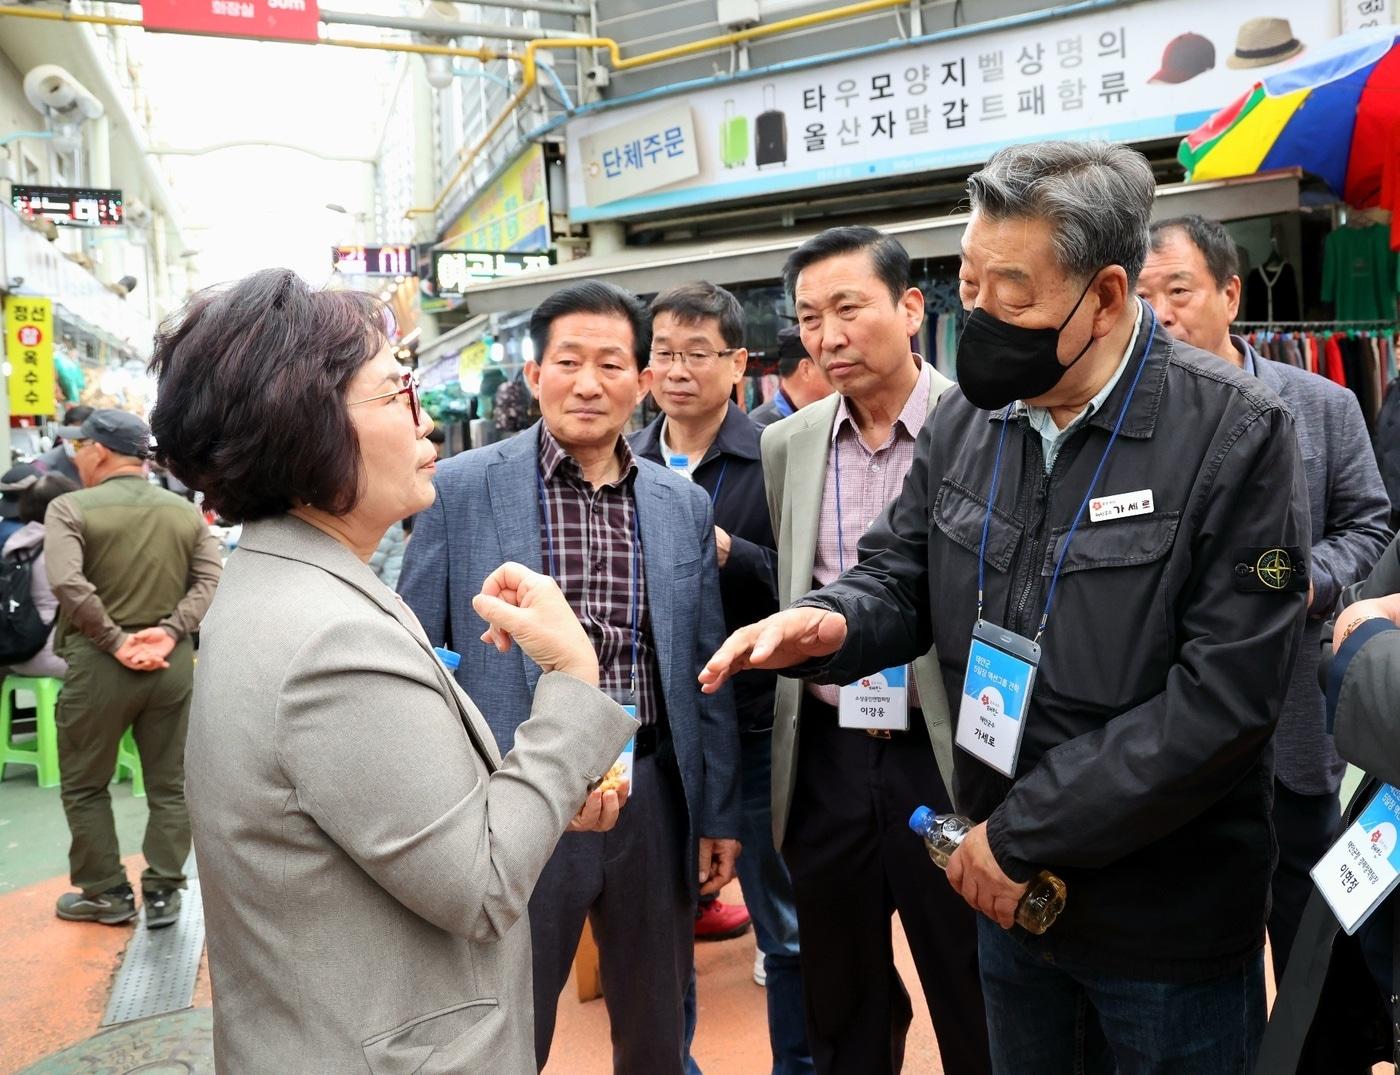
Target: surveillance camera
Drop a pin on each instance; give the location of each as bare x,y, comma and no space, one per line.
54,92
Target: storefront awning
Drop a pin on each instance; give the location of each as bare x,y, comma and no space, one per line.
761,257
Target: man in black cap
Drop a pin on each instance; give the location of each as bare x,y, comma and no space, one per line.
59,458
800,382
134,569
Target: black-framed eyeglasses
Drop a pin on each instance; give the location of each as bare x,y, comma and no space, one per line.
410,385
696,358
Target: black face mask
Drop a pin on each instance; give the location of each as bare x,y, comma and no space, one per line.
999,362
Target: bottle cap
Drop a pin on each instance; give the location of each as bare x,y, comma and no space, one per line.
450,660
920,819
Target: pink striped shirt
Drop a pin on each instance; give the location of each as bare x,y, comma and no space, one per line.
869,481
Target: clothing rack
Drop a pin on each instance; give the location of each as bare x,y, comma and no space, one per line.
1287,326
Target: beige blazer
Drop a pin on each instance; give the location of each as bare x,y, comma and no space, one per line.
365,856
795,452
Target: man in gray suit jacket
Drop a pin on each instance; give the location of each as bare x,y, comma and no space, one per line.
632,546
829,470
1191,277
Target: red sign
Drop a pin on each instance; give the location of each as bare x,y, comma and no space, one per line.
30,336
278,20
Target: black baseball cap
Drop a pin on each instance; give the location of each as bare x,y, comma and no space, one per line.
13,482
120,431
790,344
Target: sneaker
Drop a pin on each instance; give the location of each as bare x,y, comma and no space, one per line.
760,972
111,908
719,921
162,907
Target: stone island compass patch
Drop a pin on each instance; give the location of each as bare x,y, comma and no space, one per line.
1271,569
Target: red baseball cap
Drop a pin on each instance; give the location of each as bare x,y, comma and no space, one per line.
1185,57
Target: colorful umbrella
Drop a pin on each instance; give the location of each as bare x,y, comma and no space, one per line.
1337,116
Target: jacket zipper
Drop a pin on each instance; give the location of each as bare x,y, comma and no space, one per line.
1035,529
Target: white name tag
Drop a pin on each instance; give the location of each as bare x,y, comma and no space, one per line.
1121,506
879,702
1363,867
1001,668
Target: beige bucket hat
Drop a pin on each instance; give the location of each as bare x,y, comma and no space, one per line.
1263,43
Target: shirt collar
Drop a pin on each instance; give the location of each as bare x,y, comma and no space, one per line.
1244,347
914,415
737,436
553,456
1038,416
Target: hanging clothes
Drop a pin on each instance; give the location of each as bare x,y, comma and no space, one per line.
1359,273
1271,293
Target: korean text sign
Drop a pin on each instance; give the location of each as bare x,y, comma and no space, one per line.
1126,73
29,351
275,20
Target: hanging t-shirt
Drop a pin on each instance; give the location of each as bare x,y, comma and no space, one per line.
1359,273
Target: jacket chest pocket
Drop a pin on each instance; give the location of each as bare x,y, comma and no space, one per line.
956,522
1110,629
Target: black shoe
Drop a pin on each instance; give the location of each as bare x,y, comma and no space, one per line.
162,907
111,908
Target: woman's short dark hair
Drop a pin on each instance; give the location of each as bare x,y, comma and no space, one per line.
34,501
251,408
593,297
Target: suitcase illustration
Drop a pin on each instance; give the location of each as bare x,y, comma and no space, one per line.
770,131
733,137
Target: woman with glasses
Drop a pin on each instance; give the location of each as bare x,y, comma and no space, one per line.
365,854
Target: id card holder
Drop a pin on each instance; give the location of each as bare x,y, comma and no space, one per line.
1001,667
621,771
1363,867
878,702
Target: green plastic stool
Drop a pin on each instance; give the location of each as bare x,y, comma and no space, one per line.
42,753
129,764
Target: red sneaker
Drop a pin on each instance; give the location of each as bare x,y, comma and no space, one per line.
719,921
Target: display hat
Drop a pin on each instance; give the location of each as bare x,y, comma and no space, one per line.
1263,42
1185,57
13,482
121,431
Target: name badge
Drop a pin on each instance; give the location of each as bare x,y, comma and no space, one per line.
1121,506
621,771
1363,867
1001,667
879,702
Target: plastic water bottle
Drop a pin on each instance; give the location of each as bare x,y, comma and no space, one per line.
943,834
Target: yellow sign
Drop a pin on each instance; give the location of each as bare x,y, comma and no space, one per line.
472,360
511,214
29,350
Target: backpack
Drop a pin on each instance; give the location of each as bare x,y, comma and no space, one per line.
23,631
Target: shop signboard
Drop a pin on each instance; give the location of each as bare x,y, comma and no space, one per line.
640,154
456,271
29,332
375,260
1364,14
471,361
273,20
511,213
1125,73
79,207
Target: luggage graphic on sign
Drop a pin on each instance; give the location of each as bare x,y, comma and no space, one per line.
733,137
770,139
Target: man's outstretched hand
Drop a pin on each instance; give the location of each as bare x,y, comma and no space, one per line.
781,641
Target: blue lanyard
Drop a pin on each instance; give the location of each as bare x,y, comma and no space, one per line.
714,496
840,529
1079,515
636,569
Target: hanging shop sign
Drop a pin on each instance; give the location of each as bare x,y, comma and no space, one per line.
375,260
273,20
29,351
1126,73
79,207
1364,14
455,272
511,213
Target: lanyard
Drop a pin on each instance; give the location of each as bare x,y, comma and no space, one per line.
840,530
636,570
714,496
1079,515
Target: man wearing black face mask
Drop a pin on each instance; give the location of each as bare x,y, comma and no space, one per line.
1105,535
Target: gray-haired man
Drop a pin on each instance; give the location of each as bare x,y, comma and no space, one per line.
1105,535
1192,280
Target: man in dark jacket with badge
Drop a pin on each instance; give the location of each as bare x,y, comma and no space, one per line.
1105,534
